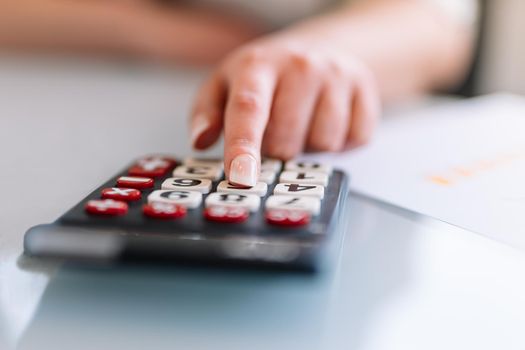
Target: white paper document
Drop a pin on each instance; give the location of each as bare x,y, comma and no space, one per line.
463,163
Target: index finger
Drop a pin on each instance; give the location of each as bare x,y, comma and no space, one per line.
247,112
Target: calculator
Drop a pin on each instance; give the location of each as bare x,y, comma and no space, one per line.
161,208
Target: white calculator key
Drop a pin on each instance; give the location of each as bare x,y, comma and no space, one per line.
308,167
271,164
249,201
296,189
185,184
267,176
309,204
198,172
301,177
215,162
259,189
188,199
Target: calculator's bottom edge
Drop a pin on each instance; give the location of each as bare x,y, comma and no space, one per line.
114,246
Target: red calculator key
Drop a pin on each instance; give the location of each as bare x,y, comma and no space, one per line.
159,210
108,207
224,213
153,166
137,182
121,194
284,217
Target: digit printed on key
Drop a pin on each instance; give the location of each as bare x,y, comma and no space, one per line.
188,199
199,185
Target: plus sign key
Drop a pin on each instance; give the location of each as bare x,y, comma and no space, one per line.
108,207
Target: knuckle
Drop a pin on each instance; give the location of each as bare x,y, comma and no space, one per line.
303,62
246,101
336,69
252,56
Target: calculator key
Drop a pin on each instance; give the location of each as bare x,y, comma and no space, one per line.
267,176
198,172
138,182
296,189
178,183
274,165
299,177
188,199
308,167
108,207
259,189
121,194
215,162
284,217
310,204
248,201
160,210
153,166
226,213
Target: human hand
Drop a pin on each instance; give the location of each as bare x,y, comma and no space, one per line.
137,28
281,95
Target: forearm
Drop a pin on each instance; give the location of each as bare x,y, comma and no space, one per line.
412,46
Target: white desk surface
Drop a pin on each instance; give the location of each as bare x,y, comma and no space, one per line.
404,281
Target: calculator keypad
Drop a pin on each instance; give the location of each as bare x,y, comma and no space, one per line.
293,201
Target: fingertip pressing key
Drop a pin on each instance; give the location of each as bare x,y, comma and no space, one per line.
243,170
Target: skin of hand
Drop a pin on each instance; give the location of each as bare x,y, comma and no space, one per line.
144,29
320,84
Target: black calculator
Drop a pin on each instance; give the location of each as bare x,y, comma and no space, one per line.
162,208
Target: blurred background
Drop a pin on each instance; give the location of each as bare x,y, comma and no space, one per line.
149,31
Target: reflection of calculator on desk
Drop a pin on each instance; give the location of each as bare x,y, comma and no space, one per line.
160,209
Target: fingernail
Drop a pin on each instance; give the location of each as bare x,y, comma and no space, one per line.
199,125
243,170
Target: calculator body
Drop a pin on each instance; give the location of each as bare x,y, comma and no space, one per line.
191,239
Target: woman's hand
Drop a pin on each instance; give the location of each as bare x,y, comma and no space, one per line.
282,95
